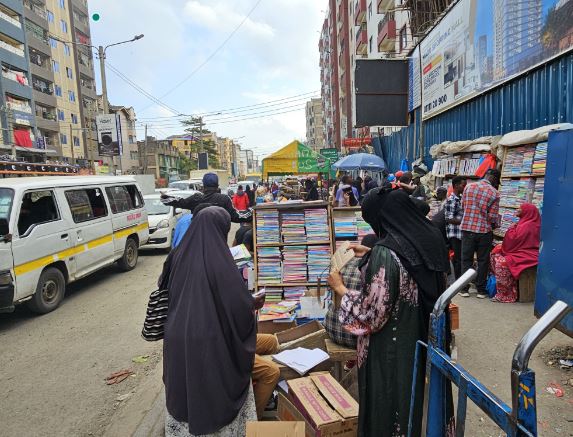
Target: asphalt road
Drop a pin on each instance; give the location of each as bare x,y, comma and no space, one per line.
53,367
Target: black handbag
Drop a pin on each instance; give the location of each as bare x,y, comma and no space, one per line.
156,315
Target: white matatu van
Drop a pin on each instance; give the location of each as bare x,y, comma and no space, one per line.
54,230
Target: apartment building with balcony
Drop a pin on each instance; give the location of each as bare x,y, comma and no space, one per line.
16,98
314,125
159,158
62,77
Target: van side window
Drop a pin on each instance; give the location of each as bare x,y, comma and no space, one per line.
37,207
124,198
88,204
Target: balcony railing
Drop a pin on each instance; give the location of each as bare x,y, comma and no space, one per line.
36,9
385,5
359,12
43,87
387,33
10,20
362,41
16,76
7,46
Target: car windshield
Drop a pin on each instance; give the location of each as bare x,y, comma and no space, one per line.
6,196
179,185
155,207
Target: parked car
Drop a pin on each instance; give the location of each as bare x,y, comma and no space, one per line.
162,220
189,184
55,230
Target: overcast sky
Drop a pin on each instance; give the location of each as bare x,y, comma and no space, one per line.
274,55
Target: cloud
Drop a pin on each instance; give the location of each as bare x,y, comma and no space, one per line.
218,15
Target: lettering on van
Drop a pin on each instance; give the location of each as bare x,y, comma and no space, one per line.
132,217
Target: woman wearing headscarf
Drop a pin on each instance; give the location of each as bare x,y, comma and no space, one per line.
311,191
210,334
518,252
403,276
250,195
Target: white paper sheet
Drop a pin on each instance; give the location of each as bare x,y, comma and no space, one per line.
301,359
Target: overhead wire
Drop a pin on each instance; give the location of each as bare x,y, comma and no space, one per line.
212,55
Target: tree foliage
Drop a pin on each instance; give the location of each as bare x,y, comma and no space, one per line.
194,127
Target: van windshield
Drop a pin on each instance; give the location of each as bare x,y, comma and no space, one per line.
6,196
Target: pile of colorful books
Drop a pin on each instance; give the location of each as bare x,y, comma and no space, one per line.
318,262
537,199
269,265
268,226
345,226
508,218
519,160
283,311
540,159
293,294
514,192
273,295
292,227
294,264
316,221
362,227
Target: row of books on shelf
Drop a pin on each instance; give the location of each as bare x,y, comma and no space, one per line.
508,218
292,226
530,159
287,303
514,192
351,226
464,165
292,264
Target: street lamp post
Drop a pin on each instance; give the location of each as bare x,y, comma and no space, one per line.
101,55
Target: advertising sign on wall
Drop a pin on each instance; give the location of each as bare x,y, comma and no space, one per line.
482,43
109,134
414,75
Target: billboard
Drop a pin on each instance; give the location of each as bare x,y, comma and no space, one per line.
414,74
109,135
381,92
482,43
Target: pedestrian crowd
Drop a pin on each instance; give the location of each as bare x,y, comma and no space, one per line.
215,378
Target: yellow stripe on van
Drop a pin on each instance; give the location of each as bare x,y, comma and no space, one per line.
67,253
33,265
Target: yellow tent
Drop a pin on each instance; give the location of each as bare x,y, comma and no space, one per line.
294,158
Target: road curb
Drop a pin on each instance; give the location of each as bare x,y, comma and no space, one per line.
153,424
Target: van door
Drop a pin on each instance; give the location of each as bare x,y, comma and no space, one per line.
92,230
41,237
128,216
7,283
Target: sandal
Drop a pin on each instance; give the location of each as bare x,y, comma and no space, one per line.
117,377
496,300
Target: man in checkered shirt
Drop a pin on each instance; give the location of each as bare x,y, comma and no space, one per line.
480,203
453,216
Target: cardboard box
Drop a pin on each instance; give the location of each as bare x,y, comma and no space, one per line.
320,401
276,429
454,317
311,335
270,327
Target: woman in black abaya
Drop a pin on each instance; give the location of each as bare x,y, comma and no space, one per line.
210,335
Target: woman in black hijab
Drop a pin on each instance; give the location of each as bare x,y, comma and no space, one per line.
251,195
210,334
404,274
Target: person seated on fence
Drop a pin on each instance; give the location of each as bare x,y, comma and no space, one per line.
518,252
403,276
210,334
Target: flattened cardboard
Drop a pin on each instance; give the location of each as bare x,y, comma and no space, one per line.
310,335
270,327
335,394
276,429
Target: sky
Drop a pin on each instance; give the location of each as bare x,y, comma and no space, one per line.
273,56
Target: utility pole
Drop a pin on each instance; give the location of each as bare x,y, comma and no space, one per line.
9,115
145,153
200,135
101,56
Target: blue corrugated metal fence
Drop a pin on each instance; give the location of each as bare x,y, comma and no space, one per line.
542,96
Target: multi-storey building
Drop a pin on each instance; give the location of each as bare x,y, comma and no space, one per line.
130,150
314,124
62,77
16,99
158,158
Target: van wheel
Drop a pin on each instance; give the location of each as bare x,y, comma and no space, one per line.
129,259
50,291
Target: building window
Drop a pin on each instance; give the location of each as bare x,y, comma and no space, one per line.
131,139
53,43
63,4
58,91
63,139
64,26
403,38
74,118
72,96
50,16
61,116
55,66
76,142
67,50
69,73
